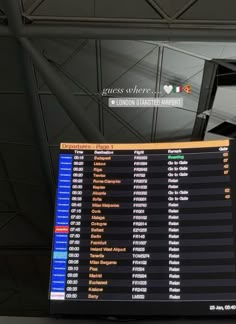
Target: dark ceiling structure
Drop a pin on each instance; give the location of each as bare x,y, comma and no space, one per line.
145,19
56,58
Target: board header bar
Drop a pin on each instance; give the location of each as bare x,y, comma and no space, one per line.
143,146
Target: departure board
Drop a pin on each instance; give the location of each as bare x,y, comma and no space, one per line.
145,229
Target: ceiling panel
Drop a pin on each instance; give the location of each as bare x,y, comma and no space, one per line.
115,132
19,232
122,57
26,295
62,129
59,50
7,201
35,204
22,163
10,66
15,120
6,282
66,8
73,60
8,205
27,4
140,120
10,300
209,10
229,51
205,49
97,8
172,6
180,69
174,124
82,67
71,86
126,65
125,9
140,74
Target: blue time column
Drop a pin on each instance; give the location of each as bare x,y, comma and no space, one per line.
61,229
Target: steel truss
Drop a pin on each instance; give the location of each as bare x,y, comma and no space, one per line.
166,27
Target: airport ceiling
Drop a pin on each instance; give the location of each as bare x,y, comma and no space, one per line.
139,43
186,11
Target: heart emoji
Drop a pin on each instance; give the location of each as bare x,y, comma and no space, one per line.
168,88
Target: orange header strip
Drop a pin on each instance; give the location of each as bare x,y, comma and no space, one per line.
142,146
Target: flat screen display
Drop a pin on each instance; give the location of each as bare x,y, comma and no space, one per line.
145,229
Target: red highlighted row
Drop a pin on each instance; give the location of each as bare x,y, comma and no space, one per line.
61,229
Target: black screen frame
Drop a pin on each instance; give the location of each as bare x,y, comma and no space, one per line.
156,309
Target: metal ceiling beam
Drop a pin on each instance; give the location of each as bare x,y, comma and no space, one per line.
13,12
98,48
79,19
129,32
51,76
191,31
107,28
148,22
206,98
39,123
225,64
159,68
